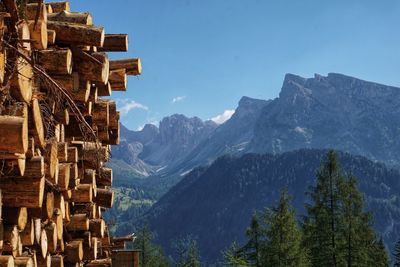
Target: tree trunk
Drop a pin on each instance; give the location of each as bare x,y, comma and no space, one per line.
21,81
94,67
82,194
28,234
51,233
22,191
51,37
56,61
71,17
118,80
7,261
16,216
70,33
74,251
59,6
36,128
133,66
38,34
13,134
104,198
115,43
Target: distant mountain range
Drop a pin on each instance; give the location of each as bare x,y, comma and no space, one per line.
335,111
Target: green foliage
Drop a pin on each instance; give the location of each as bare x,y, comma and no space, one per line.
338,232
152,255
283,237
233,258
252,250
187,253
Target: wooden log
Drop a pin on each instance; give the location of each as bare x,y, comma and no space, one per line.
74,251
70,33
46,262
22,191
59,203
97,227
49,205
104,198
31,12
7,261
72,155
90,252
51,37
79,222
13,134
115,43
56,61
16,216
58,6
37,230
72,17
21,85
57,261
83,193
93,67
93,97
43,246
113,115
100,263
11,239
34,167
118,80
38,34
3,60
104,177
36,128
23,262
52,239
87,176
58,219
101,113
89,209
133,66
64,175
67,212
24,34
51,160
28,234
69,83
62,152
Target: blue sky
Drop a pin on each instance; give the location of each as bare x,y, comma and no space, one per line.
200,56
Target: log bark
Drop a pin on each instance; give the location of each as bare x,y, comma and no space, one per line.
94,67
34,167
115,43
24,34
103,89
74,251
69,83
71,17
79,222
59,203
16,216
22,191
28,234
62,152
13,134
70,33
104,198
59,6
23,262
58,219
46,262
100,263
7,261
51,37
3,60
56,61
11,239
118,80
97,227
90,252
133,66
51,233
104,177
72,155
114,115
36,128
82,194
57,261
101,113
38,34
89,209
31,12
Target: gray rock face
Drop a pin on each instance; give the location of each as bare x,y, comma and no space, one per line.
336,111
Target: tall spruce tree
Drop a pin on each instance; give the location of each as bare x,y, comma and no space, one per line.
233,257
283,246
338,231
251,251
186,252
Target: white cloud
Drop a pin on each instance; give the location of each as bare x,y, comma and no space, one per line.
128,105
178,99
223,117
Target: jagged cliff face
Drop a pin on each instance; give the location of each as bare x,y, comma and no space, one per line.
336,111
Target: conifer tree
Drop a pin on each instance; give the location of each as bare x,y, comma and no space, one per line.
251,251
186,252
283,238
233,257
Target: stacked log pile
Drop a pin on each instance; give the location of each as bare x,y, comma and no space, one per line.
55,134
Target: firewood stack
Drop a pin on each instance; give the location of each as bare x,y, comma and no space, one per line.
55,134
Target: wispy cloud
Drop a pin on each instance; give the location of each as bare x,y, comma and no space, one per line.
128,105
221,118
178,99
